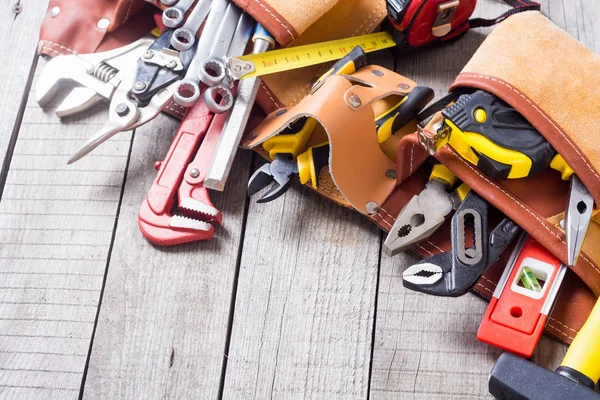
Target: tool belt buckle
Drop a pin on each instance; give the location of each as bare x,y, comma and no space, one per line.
427,142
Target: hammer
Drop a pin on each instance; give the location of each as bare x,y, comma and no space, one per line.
576,378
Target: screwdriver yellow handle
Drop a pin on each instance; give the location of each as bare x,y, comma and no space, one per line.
442,173
558,163
584,353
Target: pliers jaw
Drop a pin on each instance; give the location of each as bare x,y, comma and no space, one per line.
577,219
275,174
419,218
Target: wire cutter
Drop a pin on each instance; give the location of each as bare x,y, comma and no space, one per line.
454,273
425,212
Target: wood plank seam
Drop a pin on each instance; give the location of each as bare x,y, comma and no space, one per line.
16,126
108,258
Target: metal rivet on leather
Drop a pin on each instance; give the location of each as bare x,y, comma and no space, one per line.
355,101
403,86
391,173
54,12
103,23
372,207
377,72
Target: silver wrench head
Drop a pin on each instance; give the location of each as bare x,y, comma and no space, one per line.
172,17
212,72
182,39
187,93
218,99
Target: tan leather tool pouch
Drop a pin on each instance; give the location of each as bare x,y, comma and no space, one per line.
552,80
360,174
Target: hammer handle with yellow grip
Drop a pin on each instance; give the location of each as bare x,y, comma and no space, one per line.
584,354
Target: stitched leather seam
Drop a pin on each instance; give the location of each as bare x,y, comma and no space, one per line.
542,114
44,42
367,20
451,150
566,326
561,332
128,10
268,92
277,19
175,110
424,249
485,288
412,151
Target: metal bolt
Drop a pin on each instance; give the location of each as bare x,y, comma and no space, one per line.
377,72
372,207
194,173
237,68
172,64
139,86
17,8
355,101
122,109
54,12
247,67
391,174
103,23
403,86
148,55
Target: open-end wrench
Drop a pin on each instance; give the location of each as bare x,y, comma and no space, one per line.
173,16
237,119
188,91
183,38
219,98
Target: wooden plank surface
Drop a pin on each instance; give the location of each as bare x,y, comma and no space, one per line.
163,321
56,225
16,33
302,305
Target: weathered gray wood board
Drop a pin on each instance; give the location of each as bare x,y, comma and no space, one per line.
163,321
299,305
305,300
18,38
56,224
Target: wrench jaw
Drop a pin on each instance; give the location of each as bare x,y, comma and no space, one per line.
192,220
424,277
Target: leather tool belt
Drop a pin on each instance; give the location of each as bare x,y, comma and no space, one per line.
527,61
559,97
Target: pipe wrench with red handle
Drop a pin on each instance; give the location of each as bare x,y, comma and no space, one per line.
178,208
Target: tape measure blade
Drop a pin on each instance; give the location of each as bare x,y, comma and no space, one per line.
291,58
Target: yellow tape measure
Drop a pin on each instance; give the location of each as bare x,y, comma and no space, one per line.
290,58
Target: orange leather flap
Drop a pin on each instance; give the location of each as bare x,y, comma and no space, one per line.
343,106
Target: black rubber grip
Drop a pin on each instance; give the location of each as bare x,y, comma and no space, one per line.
320,158
504,126
415,101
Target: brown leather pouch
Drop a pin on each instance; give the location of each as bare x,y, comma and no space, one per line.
551,79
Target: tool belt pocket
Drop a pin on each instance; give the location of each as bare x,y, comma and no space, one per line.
356,171
552,81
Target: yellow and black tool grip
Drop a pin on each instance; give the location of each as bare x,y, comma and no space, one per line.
311,162
504,142
402,113
293,139
583,356
351,63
